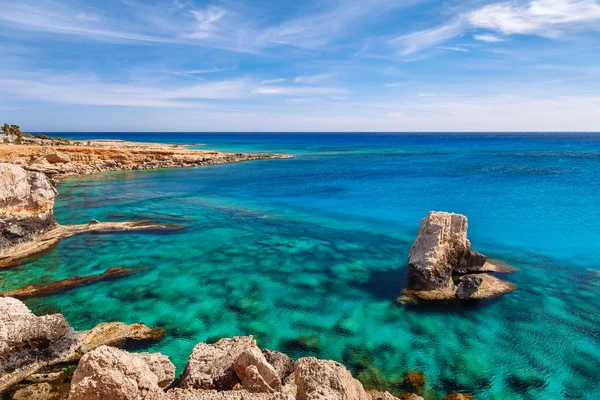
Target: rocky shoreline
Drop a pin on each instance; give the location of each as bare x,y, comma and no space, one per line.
36,354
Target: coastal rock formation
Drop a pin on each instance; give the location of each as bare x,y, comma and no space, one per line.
110,373
190,394
29,343
115,155
212,366
26,201
252,368
442,251
326,379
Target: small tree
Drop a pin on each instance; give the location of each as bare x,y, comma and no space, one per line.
6,129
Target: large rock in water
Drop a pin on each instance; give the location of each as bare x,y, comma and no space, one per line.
441,250
26,202
110,373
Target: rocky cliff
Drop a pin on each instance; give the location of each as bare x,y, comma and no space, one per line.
26,202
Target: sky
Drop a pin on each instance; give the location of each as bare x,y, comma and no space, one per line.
330,65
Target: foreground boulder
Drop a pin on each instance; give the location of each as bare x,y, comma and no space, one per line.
440,252
326,380
212,366
110,373
28,342
26,201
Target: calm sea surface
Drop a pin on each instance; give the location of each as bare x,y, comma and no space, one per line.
309,255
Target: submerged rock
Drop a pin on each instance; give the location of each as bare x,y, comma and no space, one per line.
326,379
442,250
67,284
459,396
110,373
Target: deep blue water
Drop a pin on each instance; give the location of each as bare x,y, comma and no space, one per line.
316,247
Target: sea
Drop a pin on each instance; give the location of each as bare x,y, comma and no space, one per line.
309,255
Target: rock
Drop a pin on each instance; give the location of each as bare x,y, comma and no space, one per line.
55,376
211,366
441,250
413,380
282,363
26,201
459,396
410,396
160,366
94,221
253,357
326,380
28,342
190,394
66,284
253,381
377,395
38,391
116,334
57,157
110,373
482,286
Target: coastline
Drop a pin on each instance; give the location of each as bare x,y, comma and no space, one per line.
94,156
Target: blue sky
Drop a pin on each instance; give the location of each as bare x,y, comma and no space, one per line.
332,65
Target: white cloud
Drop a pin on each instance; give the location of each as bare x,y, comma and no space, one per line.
427,38
311,79
271,81
546,18
486,37
539,17
455,48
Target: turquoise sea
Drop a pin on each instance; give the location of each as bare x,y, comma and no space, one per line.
309,255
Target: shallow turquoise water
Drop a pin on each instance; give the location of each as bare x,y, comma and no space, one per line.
316,247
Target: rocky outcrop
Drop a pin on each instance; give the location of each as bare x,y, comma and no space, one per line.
181,394
256,374
441,252
101,156
29,343
326,380
26,201
459,396
110,373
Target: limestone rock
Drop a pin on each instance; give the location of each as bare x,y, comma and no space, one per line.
253,357
26,201
38,391
440,247
282,363
254,382
161,366
459,396
110,373
482,286
28,342
116,334
192,394
326,380
441,250
57,157
211,366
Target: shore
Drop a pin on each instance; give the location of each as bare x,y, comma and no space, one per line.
93,156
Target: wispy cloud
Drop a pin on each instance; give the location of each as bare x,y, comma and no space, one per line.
312,79
271,81
545,18
486,37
